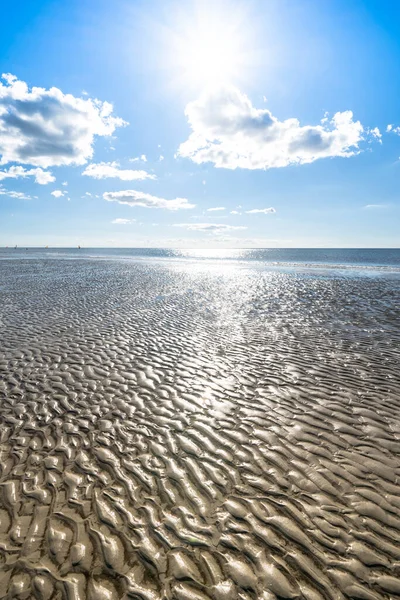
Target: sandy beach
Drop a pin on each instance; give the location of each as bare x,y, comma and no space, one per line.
180,431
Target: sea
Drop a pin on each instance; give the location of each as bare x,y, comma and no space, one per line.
355,259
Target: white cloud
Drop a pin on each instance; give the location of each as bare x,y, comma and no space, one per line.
216,208
64,183
160,158
393,129
142,157
266,242
123,221
58,193
105,170
265,211
209,227
135,198
235,212
230,132
41,177
17,195
49,128
372,206
375,133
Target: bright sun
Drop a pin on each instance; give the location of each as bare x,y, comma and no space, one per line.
210,45
211,55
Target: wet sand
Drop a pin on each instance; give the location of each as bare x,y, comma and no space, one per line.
174,432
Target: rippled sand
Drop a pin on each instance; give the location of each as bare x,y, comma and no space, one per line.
173,432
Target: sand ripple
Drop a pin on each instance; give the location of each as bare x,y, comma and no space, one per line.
172,433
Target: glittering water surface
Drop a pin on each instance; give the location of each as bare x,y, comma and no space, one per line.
347,258
192,430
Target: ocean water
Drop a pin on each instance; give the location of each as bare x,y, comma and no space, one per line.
199,425
362,258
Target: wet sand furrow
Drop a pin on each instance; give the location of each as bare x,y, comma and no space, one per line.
176,434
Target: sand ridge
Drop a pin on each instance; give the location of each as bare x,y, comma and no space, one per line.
172,432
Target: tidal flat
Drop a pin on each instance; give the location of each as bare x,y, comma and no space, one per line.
198,431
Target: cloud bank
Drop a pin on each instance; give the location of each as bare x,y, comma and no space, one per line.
49,128
228,131
105,170
135,198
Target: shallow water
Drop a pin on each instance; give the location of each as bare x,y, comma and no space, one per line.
385,259
193,430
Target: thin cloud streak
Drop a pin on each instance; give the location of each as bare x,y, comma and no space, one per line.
265,211
105,170
209,227
136,198
123,221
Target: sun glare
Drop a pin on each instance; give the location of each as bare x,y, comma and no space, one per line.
211,55
210,44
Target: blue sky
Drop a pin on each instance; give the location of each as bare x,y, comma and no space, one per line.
123,123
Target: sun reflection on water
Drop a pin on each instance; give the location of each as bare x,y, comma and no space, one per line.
215,253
